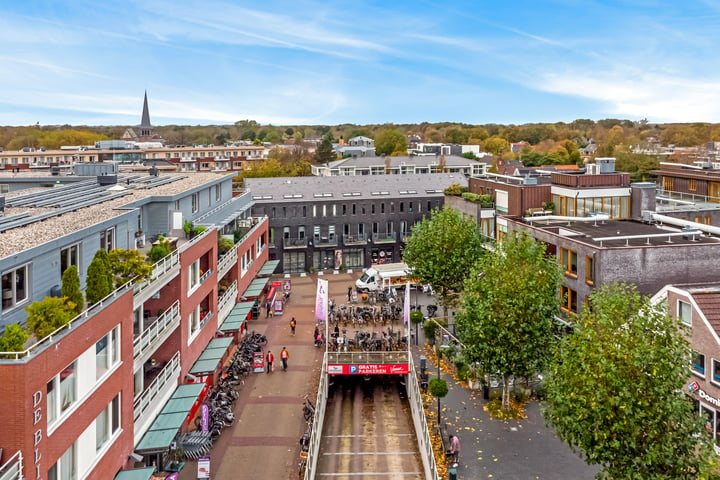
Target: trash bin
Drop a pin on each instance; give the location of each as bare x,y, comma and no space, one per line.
452,472
423,363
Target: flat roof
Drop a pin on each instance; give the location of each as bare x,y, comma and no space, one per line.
16,240
210,357
621,233
234,321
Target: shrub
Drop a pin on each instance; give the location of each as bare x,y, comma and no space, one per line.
99,278
159,251
187,227
225,244
14,338
127,265
199,229
71,289
454,189
438,387
416,317
48,314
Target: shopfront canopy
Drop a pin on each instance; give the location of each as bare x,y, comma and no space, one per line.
237,317
210,359
167,424
268,268
255,288
135,474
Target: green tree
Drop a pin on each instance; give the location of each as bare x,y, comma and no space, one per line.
442,250
438,388
70,288
614,390
507,310
457,135
325,152
47,315
13,339
496,145
390,141
127,265
99,278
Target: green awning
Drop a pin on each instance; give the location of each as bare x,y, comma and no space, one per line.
135,474
268,268
237,317
166,425
211,356
255,288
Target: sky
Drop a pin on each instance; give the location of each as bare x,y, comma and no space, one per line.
307,62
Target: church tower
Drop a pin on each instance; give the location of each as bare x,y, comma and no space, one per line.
145,127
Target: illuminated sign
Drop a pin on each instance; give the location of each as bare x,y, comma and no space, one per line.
369,369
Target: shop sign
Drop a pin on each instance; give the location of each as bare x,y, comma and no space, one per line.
203,467
369,369
708,398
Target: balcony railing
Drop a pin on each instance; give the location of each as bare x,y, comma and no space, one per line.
158,278
357,239
168,377
384,237
227,261
158,331
295,242
13,468
325,241
226,302
205,276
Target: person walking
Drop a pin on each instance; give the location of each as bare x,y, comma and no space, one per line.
284,355
455,448
349,294
316,333
268,307
269,359
292,326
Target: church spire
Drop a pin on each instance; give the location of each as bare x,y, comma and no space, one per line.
145,127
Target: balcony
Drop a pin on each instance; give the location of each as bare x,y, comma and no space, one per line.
163,272
149,403
357,239
384,237
295,242
226,302
227,261
205,276
13,468
153,336
330,241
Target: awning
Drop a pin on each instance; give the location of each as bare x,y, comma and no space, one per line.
255,288
268,268
167,424
237,317
135,474
211,356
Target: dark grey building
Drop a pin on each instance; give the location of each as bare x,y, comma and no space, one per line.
320,223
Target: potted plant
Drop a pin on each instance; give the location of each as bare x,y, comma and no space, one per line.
187,228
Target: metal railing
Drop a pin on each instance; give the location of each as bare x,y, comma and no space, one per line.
195,240
168,321
169,372
205,276
161,267
318,421
685,201
353,239
226,302
320,241
84,315
369,358
421,427
227,261
13,468
384,237
295,242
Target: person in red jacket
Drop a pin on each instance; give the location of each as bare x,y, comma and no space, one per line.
269,359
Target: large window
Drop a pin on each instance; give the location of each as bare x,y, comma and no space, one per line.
66,466
568,299
685,313
293,262
698,364
194,274
589,270
568,259
14,287
69,256
194,321
195,202
61,392
107,352
107,239
107,423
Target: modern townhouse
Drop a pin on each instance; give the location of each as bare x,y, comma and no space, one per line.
401,165
95,395
320,223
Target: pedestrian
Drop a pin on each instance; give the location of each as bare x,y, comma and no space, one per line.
269,359
455,448
284,355
292,326
316,333
349,294
268,307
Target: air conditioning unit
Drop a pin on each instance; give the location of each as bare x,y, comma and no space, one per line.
592,169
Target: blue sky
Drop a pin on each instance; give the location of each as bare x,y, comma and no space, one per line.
364,61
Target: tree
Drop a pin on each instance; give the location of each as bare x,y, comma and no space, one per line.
70,289
496,146
47,315
457,135
325,152
442,249
127,265
99,278
13,339
614,390
507,310
438,389
390,141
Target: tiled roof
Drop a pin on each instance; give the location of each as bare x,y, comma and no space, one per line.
708,301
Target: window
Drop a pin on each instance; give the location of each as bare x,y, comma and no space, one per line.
372,209
218,193
354,209
402,207
589,270
568,300
715,371
107,423
107,352
324,210
698,364
195,202
107,239
692,184
568,259
344,209
301,231
685,313
304,211
194,275
66,466
61,392
194,321
382,207
69,256
14,287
